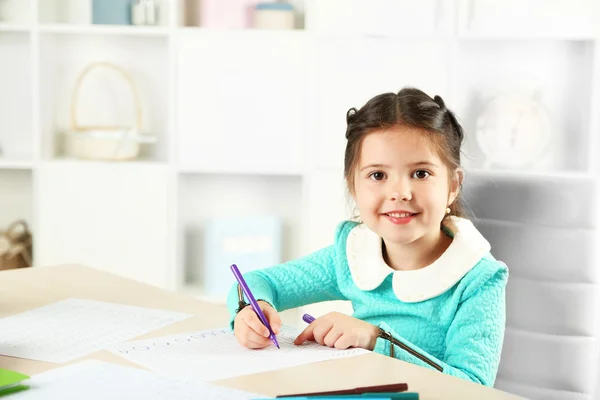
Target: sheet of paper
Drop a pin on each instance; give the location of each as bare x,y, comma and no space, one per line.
216,354
71,328
96,380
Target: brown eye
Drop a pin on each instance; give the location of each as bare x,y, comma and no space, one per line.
421,174
377,175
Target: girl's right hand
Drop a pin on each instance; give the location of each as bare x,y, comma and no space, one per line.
250,332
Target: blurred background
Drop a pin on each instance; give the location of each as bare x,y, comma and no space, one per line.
163,140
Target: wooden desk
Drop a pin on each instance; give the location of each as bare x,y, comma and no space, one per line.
22,290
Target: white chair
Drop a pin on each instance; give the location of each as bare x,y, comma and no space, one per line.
546,229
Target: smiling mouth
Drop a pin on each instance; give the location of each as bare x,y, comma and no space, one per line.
400,215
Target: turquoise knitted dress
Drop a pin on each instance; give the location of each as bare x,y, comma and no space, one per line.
448,316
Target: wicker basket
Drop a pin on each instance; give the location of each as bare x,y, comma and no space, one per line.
106,142
16,246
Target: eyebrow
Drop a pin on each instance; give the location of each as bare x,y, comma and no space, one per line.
374,166
415,164
420,163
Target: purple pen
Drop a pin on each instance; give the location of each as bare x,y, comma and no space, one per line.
253,303
308,318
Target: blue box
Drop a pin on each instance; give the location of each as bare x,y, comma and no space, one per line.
111,12
249,242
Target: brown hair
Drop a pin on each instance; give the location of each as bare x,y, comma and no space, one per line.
410,107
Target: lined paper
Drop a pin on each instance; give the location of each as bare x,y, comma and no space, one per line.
71,328
216,354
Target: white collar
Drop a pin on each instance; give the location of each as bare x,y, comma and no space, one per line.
369,270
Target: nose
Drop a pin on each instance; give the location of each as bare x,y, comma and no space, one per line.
400,191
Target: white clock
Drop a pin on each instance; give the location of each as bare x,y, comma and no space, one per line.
513,131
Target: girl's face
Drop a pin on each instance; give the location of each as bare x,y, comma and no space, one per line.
401,186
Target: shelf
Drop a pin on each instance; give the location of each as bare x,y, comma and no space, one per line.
129,30
15,163
238,170
118,30
6,27
532,36
104,96
257,33
76,163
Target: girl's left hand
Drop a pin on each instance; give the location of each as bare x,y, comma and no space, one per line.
340,331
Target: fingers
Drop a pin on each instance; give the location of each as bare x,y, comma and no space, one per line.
306,334
316,331
246,325
253,340
260,343
273,318
332,337
334,330
343,342
321,330
251,319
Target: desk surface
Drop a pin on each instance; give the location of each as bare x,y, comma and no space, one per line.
24,289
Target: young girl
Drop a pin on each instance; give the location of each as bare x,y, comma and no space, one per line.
422,282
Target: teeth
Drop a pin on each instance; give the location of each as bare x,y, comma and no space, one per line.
399,215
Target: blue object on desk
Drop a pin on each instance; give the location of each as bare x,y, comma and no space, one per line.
111,12
251,242
274,6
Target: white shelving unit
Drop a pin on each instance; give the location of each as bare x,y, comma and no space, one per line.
241,113
253,121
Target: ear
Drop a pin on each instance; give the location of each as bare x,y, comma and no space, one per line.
456,181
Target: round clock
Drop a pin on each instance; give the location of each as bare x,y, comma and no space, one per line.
513,131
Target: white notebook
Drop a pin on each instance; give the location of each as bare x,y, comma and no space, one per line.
96,380
216,354
72,328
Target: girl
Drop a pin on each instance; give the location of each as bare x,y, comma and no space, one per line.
422,282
